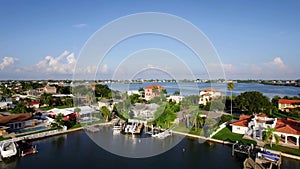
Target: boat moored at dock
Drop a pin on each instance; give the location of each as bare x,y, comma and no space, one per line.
8,149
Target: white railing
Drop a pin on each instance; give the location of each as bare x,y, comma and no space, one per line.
223,125
34,136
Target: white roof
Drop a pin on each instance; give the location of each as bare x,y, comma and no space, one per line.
67,111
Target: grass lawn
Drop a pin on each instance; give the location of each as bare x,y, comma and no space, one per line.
226,135
77,125
284,149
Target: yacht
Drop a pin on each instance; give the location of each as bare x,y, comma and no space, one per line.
8,149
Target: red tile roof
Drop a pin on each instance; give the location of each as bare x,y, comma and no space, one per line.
288,126
286,101
210,90
154,86
243,121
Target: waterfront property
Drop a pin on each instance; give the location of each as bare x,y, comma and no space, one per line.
152,91
207,95
144,111
288,105
255,126
175,98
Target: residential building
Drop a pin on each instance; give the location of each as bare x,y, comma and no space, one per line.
175,98
287,129
207,95
132,92
287,105
33,104
17,121
47,89
152,91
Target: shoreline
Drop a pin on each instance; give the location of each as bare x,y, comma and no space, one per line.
175,132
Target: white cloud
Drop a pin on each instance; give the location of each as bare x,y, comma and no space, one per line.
278,63
81,25
62,64
7,61
228,68
104,69
272,69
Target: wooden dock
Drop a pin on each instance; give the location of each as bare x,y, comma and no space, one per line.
254,160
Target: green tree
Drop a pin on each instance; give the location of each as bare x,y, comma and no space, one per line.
253,102
77,110
58,122
69,101
275,100
105,113
46,99
230,87
269,136
177,93
19,108
135,98
198,121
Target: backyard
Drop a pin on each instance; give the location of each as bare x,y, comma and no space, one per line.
226,135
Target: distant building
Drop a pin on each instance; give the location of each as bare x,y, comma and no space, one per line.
208,95
33,104
47,89
175,98
287,105
132,92
152,91
144,111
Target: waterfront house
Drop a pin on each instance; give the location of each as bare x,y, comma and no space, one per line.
175,98
17,121
144,111
207,95
254,126
152,91
287,105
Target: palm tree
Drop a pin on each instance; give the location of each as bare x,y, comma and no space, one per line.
230,87
105,113
198,121
269,136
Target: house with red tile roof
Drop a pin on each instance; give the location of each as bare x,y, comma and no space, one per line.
33,104
241,126
207,95
287,105
287,129
152,91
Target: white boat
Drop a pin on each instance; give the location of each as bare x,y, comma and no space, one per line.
162,135
8,149
116,130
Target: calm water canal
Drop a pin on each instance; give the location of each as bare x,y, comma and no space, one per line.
77,151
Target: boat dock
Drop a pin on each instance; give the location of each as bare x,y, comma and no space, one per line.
256,157
134,126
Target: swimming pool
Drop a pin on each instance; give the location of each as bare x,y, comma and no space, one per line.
26,130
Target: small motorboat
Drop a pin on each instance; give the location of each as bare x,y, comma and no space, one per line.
8,149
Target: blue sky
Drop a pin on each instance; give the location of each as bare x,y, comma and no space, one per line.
254,39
